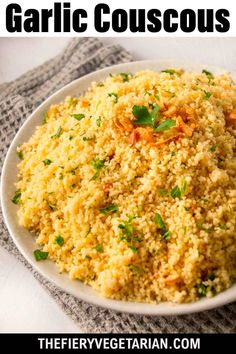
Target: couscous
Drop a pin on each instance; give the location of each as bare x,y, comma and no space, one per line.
131,187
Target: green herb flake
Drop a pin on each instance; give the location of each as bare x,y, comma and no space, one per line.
58,133
147,93
98,121
163,192
186,209
185,230
208,74
88,232
183,187
20,154
169,71
207,95
99,248
53,207
223,227
59,240
134,268
144,117
109,209
209,230
100,84
86,138
175,192
78,116
88,257
212,148
129,233
158,221
166,125
45,118
73,185
202,290
114,96
40,255
97,164
125,76
47,162
133,248
166,236
17,197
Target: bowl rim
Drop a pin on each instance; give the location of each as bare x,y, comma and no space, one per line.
163,308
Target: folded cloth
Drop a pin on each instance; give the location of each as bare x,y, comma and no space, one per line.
17,100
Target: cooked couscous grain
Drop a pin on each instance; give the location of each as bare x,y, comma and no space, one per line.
131,187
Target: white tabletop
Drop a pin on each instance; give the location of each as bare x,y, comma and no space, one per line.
24,305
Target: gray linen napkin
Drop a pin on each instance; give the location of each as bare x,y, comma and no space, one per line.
17,100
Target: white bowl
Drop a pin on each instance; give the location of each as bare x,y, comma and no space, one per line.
26,242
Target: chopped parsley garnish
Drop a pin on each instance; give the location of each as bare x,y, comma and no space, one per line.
52,206
47,162
185,230
45,118
223,227
16,198
20,154
209,230
208,74
99,248
59,240
158,220
114,95
133,248
98,121
166,125
144,117
97,164
58,133
202,290
169,71
78,116
176,192
40,255
186,209
86,138
207,95
88,232
100,84
165,233
109,209
125,76
183,187
129,233
212,148
166,236
147,93
135,269
73,185
163,192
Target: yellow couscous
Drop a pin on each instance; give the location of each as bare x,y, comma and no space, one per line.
131,187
